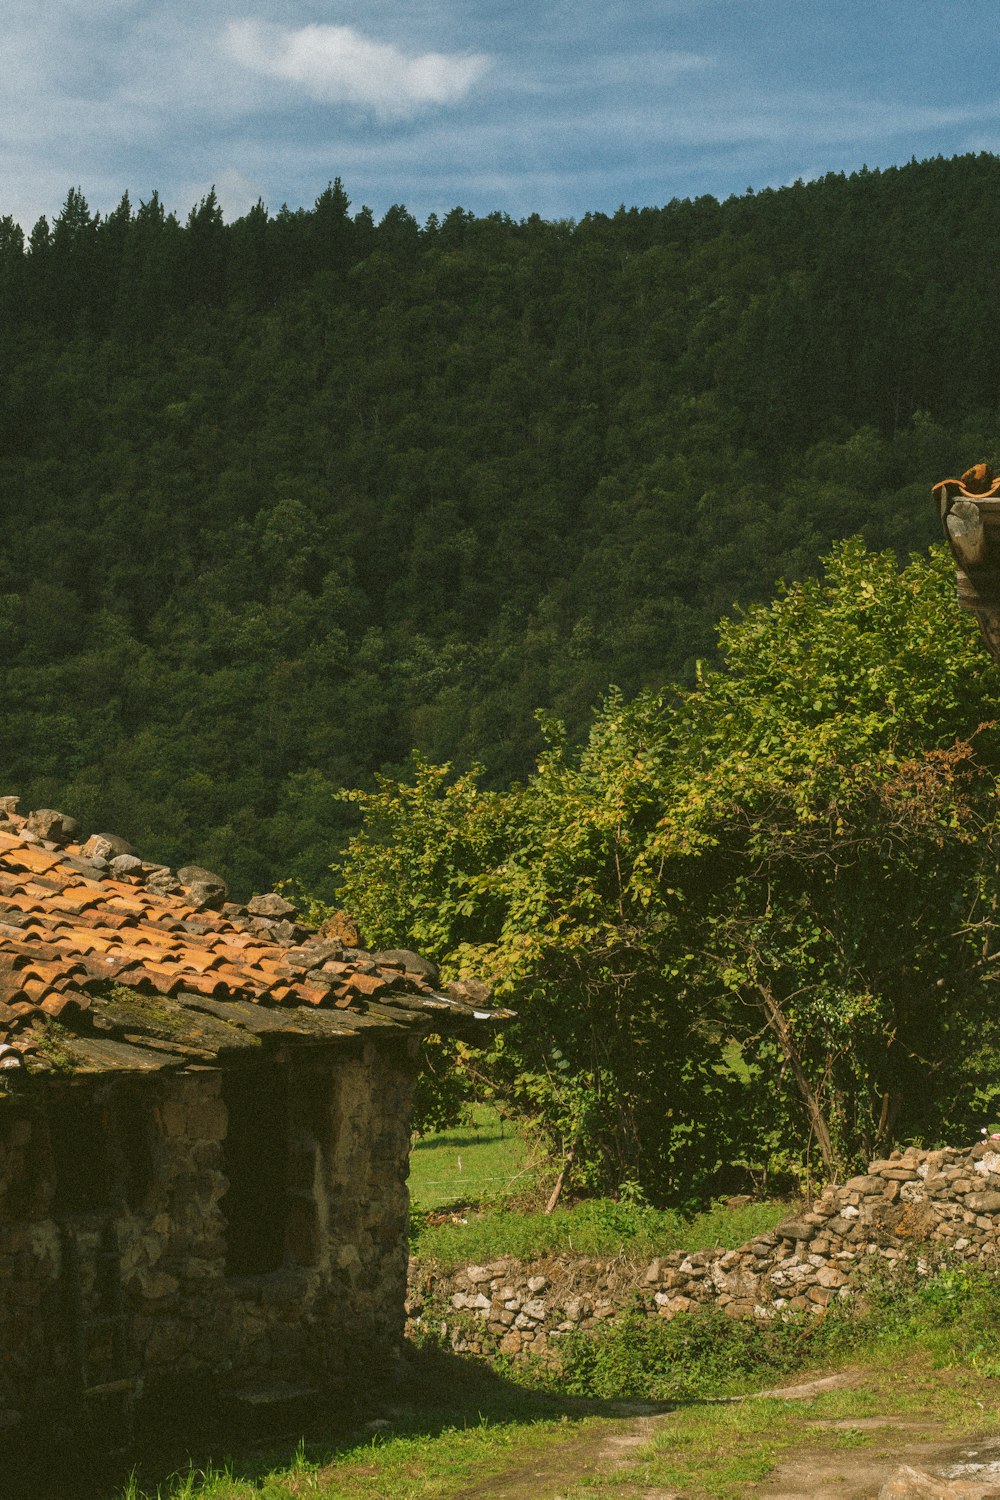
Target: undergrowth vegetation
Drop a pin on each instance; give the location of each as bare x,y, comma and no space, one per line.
595,1226
954,1317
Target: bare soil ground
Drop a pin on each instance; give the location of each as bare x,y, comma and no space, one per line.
813,1472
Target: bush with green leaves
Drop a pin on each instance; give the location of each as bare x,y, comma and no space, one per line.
797,855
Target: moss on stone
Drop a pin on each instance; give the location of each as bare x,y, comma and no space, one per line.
55,1048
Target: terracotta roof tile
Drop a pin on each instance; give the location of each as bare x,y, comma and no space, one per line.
30,858
368,984
71,905
124,906
59,1006
977,483
283,994
164,982
314,994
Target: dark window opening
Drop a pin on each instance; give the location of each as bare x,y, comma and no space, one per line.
256,1154
78,1130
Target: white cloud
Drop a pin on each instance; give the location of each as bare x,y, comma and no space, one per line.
337,63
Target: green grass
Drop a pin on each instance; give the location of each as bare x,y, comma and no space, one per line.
405,1467
455,1421
483,1160
907,1360
596,1226
704,1452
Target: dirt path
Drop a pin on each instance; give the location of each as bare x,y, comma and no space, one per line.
818,1467
552,1472
815,1472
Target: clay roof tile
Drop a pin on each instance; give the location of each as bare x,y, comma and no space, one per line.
31,858
58,1006
367,984
314,994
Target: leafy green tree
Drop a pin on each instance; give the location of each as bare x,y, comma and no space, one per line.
796,857
538,890
833,828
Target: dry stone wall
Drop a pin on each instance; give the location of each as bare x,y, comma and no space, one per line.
940,1205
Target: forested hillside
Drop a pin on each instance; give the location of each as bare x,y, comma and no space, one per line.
288,497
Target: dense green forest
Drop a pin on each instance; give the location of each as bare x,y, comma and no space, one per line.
289,497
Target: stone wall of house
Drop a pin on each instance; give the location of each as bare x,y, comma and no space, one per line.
157,1249
941,1204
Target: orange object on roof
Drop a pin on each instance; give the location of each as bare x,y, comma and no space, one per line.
31,858
977,483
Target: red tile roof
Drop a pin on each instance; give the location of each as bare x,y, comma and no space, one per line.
71,929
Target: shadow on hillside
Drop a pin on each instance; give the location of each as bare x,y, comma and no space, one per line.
438,1391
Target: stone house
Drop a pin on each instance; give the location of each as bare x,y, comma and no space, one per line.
204,1134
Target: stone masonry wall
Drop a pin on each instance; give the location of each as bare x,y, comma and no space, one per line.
944,1204
335,1306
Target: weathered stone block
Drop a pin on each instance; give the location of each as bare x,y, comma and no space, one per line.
796,1229
830,1277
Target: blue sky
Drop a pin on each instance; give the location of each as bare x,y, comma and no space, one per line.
554,107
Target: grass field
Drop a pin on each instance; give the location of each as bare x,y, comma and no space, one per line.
717,1452
595,1226
486,1159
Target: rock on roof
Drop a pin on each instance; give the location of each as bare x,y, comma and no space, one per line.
111,963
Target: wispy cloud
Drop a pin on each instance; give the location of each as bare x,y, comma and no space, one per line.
336,64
